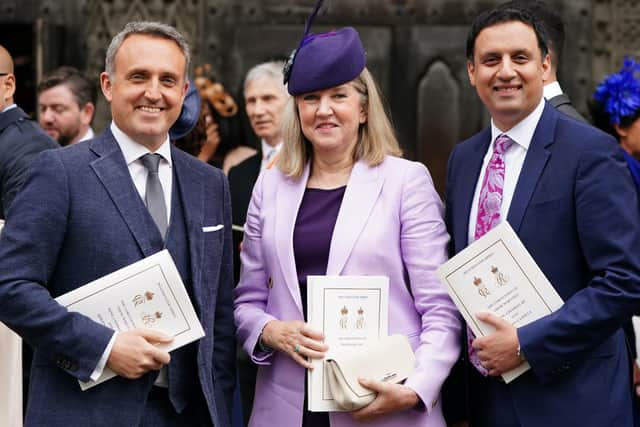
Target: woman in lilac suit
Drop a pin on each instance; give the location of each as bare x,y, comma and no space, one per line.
342,202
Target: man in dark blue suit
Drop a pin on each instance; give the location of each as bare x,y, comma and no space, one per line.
20,138
567,194
20,141
82,214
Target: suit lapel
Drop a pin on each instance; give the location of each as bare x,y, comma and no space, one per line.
534,163
288,198
113,173
191,187
472,163
362,192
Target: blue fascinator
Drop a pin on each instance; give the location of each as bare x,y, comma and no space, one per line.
619,93
189,114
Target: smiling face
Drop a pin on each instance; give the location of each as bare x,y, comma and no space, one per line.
330,118
508,71
147,88
265,98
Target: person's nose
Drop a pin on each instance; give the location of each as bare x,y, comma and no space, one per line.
47,115
325,107
259,108
507,69
152,91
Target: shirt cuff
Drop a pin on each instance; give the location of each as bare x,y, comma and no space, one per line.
97,372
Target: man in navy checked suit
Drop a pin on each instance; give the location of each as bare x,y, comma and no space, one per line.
81,215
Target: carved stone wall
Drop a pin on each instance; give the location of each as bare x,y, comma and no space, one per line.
415,49
616,34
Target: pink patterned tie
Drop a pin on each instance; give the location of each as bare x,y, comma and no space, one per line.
488,217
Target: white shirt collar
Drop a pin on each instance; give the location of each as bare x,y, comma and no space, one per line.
132,150
551,90
266,147
88,135
522,133
9,107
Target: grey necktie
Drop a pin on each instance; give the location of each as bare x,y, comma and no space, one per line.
154,196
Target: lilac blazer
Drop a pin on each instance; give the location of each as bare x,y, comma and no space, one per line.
390,223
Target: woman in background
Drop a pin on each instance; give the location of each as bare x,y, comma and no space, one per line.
216,137
615,109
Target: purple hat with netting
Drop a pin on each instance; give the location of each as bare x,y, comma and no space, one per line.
324,60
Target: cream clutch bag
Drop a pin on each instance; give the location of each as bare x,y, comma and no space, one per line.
388,359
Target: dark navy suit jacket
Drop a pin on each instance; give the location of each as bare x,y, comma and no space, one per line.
78,218
574,208
21,140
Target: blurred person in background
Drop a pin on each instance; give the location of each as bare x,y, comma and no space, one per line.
615,109
20,141
216,138
66,105
265,96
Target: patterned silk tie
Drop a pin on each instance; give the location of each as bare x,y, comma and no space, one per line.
488,217
154,196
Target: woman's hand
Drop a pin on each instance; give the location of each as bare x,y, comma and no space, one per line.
390,398
296,339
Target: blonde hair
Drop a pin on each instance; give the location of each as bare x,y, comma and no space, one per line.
376,138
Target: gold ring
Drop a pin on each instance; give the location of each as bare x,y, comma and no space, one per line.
296,348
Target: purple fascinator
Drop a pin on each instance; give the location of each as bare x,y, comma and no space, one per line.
324,60
189,114
619,93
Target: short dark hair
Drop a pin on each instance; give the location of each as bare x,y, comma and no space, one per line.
602,120
551,21
83,89
146,28
500,15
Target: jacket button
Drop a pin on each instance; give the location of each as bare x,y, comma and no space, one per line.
270,282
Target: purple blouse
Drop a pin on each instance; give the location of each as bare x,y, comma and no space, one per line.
311,243
312,234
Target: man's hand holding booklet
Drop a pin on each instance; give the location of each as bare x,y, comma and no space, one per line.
147,294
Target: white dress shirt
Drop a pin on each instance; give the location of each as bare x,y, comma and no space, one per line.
9,107
132,151
88,135
266,149
551,90
521,134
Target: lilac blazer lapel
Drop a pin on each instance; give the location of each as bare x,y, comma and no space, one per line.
363,190
288,198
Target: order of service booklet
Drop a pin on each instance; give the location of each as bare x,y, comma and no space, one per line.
496,274
146,294
349,311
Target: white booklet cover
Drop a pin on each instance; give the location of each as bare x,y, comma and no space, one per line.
146,294
349,311
497,274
